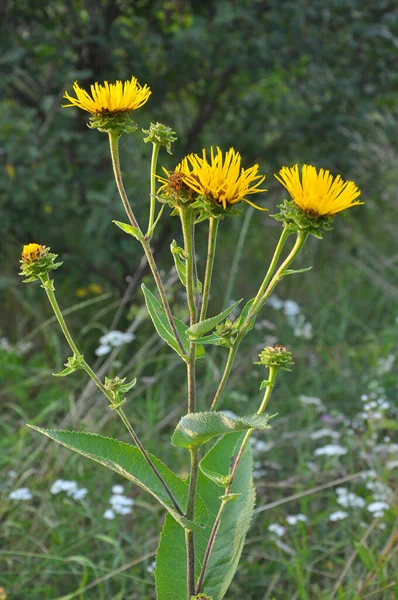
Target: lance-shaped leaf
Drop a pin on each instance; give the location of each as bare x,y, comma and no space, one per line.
127,461
294,271
196,429
127,228
203,327
179,256
171,559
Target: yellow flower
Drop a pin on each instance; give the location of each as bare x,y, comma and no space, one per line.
110,98
81,292
32,252
95,288
222,178
176,178
320,194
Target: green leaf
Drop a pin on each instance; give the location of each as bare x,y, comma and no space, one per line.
196,429
366,556
243,315
127,460
127,228
171,558
203,327
162,325
217,478
179,256
214,339
294,271
265,383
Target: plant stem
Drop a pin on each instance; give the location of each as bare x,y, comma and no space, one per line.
187,222
213,534
211,248
152,206
47,285
259,302
114,146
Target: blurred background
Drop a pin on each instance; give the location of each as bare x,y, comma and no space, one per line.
282,82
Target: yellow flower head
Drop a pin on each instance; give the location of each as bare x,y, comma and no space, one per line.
222,178
320,194
32,252
110,98
176,179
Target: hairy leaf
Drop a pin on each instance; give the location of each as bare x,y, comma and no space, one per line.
196,429
127,460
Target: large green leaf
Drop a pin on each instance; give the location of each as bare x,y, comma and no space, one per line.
171,558
196,429
203,327
127,460
162,326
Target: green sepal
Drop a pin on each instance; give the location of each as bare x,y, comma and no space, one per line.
195,429
217,478
127,228
161,135
116,123
295,219
74,363
203,327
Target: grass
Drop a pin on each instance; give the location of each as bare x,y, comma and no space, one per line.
54,547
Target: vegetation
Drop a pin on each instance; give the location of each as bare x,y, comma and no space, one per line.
282,82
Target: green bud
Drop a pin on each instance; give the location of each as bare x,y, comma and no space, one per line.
36,262
276,357
160,134
295,219
117,389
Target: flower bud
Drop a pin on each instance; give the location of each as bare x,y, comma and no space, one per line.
275,356
37,261
160,134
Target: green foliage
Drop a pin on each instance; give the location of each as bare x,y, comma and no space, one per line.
127,461
207,325
171,566
196,429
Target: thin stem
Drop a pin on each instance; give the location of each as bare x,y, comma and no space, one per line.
211,248
152,206
257,305
187,222
47,285
114,146
213,534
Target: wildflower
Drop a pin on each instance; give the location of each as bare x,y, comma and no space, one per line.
312,401
349,499
20,494
121,505
279,530
36,261
161,135
275,356
325,432
95,288
81,292
223,178
117,489
151,567
318,193
339,515
109,514
109,99
331,450
113,339
294,519
378,508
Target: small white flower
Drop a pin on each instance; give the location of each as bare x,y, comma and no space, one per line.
380,490
331,450
278,529
20,494
103,349
391,464
378,508
151,567
291,308
79,494
364,397
349,499
117,489
384,365
293,519
311,400
325,433
63,485
109,514
275,302
122,510
338,515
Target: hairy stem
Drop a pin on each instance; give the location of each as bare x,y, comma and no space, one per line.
266,288
213,534
86,367
114,146
211,249
187,222
152,206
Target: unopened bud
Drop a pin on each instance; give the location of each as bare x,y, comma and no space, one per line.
275,356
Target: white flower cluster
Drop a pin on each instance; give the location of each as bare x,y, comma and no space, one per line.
19,349
312,401
349,499
121,504
70,487
384,365
331,450
339,515
325,432
113,339
23,493
294,519
279,530
301,328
